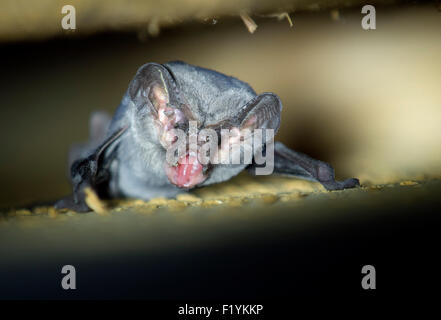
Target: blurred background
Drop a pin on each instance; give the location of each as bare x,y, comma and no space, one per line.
369,102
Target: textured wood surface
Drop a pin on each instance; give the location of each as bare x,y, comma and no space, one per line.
24,20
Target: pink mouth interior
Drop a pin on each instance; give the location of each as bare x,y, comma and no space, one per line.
187,173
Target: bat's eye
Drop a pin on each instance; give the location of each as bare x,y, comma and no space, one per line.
181,125
207,169
219,137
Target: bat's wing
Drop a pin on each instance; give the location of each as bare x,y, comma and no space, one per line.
90,171
293,163
99,124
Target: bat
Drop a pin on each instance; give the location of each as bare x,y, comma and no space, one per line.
126,154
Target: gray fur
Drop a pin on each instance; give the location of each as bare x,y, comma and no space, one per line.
138,170
129,160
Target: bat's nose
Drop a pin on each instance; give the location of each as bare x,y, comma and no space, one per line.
187,173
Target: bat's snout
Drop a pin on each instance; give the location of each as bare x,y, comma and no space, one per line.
187,173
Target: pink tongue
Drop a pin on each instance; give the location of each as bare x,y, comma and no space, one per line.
188,169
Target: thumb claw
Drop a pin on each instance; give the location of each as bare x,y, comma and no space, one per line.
351,183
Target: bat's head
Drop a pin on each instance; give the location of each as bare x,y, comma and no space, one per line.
200,146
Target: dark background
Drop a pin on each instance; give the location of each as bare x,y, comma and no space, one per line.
368,102
249,255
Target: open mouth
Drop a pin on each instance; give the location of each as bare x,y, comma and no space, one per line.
187,173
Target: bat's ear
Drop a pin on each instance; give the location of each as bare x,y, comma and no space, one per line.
262,112
154,86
